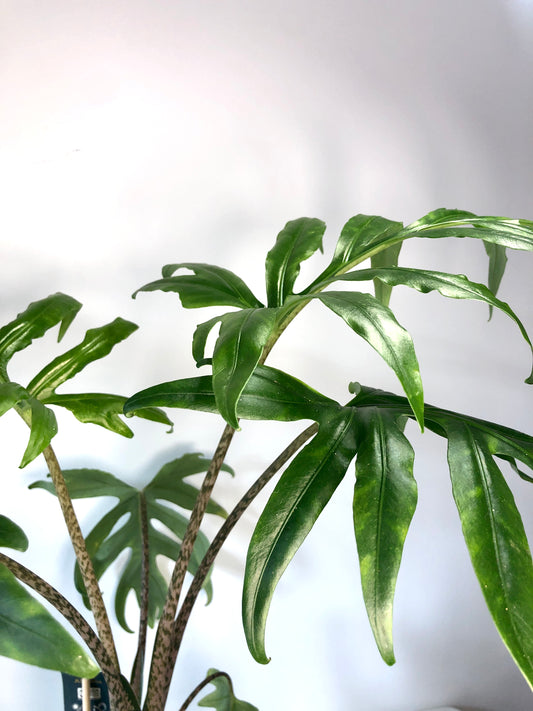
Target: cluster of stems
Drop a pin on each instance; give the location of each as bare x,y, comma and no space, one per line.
124,695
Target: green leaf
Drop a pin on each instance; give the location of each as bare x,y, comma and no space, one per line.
496,540
12,535
98,342
238,350
361,237
11,394
500,441
42,421
169,485
455,286
378,326
497,262
385,258
223,698
120,529
298,241
516,234
34,322
385,497
208,286
199,340
104,409
301,494
29,633
270,394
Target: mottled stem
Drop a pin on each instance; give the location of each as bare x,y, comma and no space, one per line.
80,624
226,528
161,669
82,556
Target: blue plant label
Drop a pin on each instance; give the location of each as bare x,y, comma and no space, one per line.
72,693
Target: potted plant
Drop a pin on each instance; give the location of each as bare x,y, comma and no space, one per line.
238,384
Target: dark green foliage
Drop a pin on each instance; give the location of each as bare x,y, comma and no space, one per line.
370,429
371,426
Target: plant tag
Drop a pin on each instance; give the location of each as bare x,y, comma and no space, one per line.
72,693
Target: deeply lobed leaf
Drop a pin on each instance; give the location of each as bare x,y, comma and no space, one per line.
120,529
34,322
98,343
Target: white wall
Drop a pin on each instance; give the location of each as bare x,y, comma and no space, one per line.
139,133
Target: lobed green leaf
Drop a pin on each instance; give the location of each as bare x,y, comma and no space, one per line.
301,494
361,237
104,409
120,529
298,241
208,286
34,322
455,286
238,350
98,343
378,326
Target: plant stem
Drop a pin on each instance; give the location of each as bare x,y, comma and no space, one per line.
62,605
138,664
80,624
82,556
161,670
226,528
201,685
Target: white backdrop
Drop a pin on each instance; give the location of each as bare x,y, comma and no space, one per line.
140,133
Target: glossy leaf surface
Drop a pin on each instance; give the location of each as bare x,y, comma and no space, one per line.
105,410
223,698
301,494
298,241
41,420
441,223
497,262
34,322
385,258
120,529
378,326
361,237
385,497
29,633
497,542
269,394
455,286
208,286
238,350
98,343
12,535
